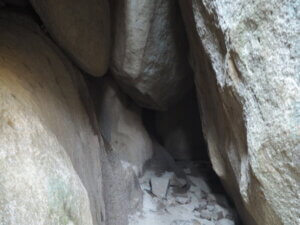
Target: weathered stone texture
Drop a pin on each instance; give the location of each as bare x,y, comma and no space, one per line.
44,132
81,29
246,60
149,54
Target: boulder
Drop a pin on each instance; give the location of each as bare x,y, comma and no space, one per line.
81,29
180,130
121,124
128,147
123,194
246,63
45,133
149,54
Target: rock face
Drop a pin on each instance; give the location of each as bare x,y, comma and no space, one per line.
44,129
81,28
180,130
123,194
149,52
121,124
128,148
247,76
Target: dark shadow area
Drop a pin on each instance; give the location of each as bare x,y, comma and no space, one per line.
179,131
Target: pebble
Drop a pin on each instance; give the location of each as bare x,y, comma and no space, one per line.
206,222
202,204
223,212
181,222
183,200
225,222
210,207
177,182
205,214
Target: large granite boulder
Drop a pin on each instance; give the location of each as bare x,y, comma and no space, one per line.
123,195
149,54
128,147
44,129
246,60
121,124
81,29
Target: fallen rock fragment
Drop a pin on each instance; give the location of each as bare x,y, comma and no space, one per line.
225,222
206,222
202,204
183,200
205,214
160,186
177,182
222,212
182,222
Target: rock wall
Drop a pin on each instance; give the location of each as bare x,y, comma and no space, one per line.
44,129
245,56
121,124
149,54
56,148
81,29
128,149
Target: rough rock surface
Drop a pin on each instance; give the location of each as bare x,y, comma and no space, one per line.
128,148
121,124
81,28
41,119
180,130
195,206
149,54
246,60
123,194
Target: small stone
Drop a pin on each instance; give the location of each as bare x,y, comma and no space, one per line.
211,198
225,222
219,215
214,216
177,182
160,206
206,222
181,222
223,212
202,204
210,207
230,216
160,185
183,200
196,222
205,214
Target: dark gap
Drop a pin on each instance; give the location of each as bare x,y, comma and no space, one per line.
188,111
